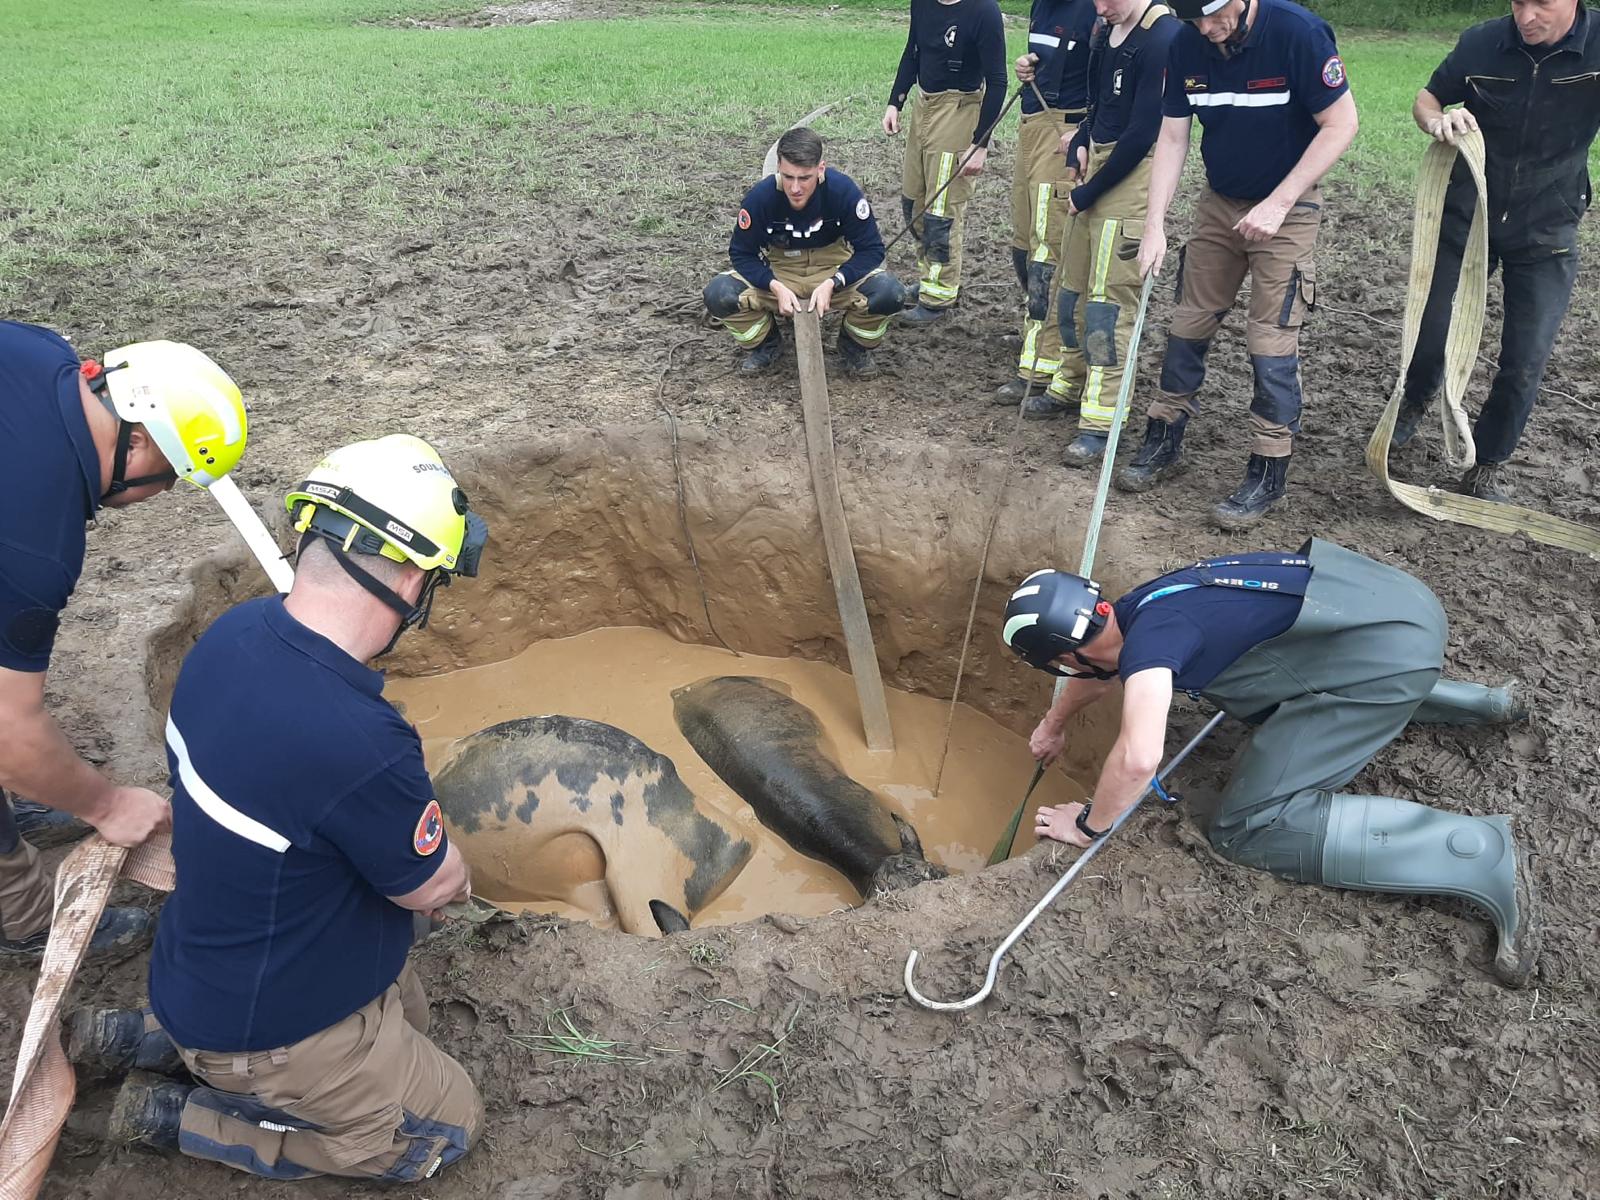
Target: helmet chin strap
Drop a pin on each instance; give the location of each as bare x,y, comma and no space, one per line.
1240,31
412,616
119,461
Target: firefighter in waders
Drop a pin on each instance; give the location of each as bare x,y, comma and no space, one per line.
1099,299
1531,83
956,56
1266,80
1057,64
306,836
807,234
76,437
1329,655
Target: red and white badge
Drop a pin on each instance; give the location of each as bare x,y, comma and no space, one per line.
744,219
1333,72
429,834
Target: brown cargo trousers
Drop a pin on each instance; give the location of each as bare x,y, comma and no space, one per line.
1039,191
938,132
26,897
1099,299
1283,277
368,1098
802,271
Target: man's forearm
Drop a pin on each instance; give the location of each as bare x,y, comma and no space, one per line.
1325,149
37,761
1123,779
1426,110
1074,698
1172,150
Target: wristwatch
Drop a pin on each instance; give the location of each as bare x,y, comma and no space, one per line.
1082,823
838,279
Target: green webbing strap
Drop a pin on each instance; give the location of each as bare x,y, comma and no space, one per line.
1461,351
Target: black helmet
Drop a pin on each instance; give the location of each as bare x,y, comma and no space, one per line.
1193,10
1050,614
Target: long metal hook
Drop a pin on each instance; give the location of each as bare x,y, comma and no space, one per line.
1049,897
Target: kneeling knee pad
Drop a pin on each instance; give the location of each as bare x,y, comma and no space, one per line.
885,294
1040,276
1066,316
936,233
722,295
1100,333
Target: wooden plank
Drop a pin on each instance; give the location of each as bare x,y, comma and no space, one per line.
836,533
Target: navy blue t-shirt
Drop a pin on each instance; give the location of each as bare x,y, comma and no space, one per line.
1058,32
1127,88
956,47
1200,630
299,804
1258,107
52,474
768,225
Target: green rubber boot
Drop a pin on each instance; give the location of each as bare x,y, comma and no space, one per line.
1455,703
1380,844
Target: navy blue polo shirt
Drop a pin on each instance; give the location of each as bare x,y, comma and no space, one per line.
299,804
767,224
1199,631
1258,106
48,460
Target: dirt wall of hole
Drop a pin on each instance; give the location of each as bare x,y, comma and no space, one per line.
585,532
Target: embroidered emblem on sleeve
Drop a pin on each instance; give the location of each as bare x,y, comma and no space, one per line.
429,833
1333,72
744,218
863,209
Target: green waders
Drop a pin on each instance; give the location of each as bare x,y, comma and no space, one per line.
1360,662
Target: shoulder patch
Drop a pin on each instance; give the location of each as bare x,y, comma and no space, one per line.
429,833
1333,72
744,218
863,209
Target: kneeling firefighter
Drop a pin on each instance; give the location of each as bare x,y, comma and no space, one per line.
1330,655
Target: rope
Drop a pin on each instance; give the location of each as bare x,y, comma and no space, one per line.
1461,349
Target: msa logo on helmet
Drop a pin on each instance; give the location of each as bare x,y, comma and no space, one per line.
322,489
400,531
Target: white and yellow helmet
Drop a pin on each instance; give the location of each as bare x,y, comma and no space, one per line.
394,497
188,404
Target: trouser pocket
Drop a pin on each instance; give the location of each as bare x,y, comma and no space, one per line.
1300,297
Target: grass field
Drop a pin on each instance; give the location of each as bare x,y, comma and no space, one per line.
119,113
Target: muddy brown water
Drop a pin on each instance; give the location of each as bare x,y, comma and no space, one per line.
625,677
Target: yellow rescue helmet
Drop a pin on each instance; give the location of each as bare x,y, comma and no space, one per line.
187,403
391,496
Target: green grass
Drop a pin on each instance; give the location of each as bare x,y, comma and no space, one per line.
123,113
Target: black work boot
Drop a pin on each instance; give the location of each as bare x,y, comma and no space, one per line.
1483,482
922,315
1160,456
47,827
1263,487
765,354
1011,392
1407,419
110,1042
1041,406
121,932
857,358
148,1112
1085,450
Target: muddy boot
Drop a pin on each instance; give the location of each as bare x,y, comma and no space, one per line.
110,1042
121,932
1085,450
1379,844
1012,392
1482,481
47,827
1455,703
922,315
764,355
148,1112
1407,419
857,358
1263,487
1042,406
1160,456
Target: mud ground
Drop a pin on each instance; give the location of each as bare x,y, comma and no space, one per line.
1175,1027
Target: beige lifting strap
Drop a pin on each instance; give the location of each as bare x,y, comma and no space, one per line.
43,1087
1461,351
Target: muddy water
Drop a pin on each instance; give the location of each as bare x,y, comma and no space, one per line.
625,677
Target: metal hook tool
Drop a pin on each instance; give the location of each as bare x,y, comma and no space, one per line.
1060,886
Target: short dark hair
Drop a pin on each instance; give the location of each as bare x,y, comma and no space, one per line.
801,146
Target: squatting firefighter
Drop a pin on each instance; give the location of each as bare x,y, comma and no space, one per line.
956,56
306,835
1057,63
76,437
1531,83
806,234
1266,80
1329,654
1099,298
